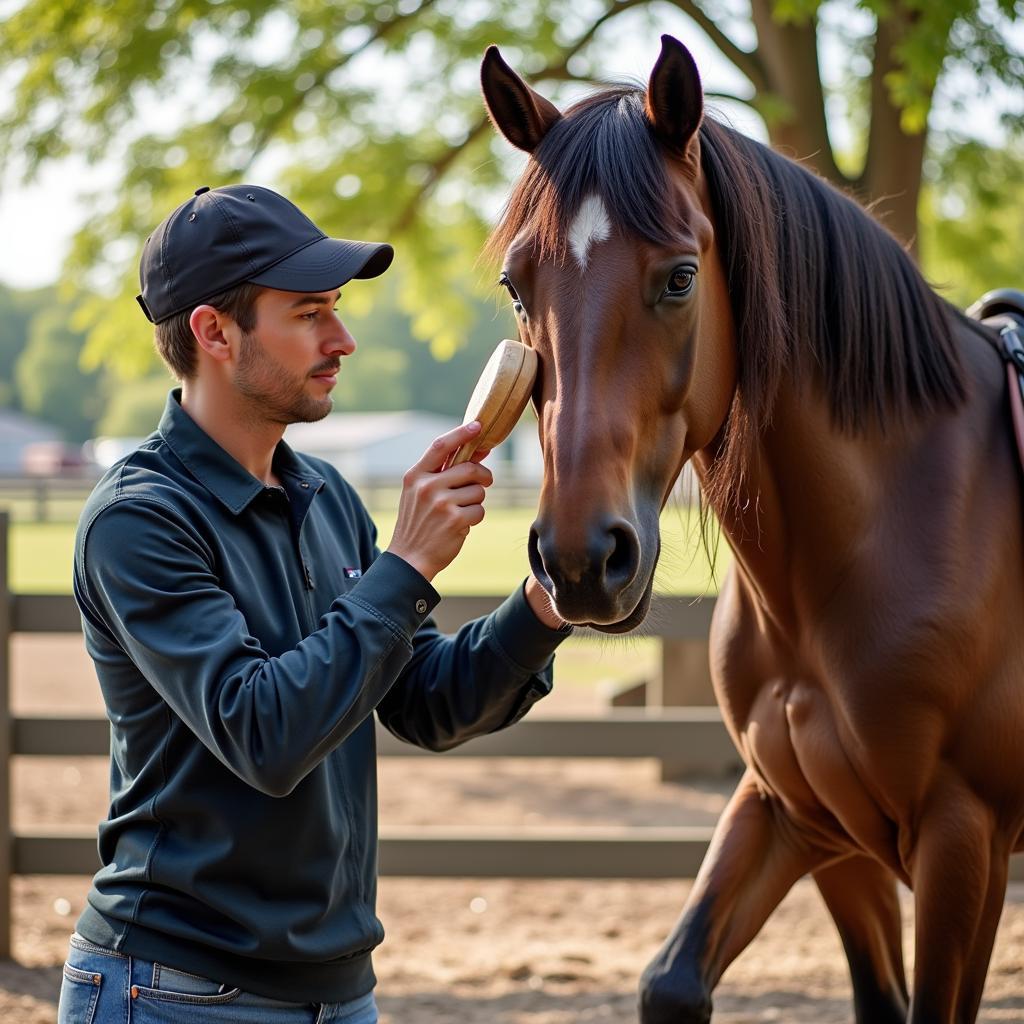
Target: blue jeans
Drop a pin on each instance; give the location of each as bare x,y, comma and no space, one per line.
104,987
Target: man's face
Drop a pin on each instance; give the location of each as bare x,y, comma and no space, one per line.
288,365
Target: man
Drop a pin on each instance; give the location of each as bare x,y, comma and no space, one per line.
245,627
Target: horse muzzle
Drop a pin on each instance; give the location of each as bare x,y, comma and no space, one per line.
599,577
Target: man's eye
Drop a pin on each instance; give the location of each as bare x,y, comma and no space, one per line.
314,313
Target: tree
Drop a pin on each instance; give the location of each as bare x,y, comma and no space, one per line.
134,407
368,113
50,384
16,310
971,227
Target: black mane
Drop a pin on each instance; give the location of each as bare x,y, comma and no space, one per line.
816,284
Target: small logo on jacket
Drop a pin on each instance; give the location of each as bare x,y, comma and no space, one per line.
352,574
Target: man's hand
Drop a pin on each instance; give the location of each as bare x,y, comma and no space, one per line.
540,603
438,505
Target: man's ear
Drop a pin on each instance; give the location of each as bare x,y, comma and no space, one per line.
675,99
208,325
522,115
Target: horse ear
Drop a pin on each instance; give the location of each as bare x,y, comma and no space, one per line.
520,114
675,99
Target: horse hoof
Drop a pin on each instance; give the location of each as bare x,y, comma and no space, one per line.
674,997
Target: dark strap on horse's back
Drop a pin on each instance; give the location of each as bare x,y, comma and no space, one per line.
1003,310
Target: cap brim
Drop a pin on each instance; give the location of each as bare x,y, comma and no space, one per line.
325,264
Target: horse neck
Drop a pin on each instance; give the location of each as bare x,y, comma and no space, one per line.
817,496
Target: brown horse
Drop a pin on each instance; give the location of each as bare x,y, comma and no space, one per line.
693,295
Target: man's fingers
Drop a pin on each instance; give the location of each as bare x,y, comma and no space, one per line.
471,494
468,473
435,457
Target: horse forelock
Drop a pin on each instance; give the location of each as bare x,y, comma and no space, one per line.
601,153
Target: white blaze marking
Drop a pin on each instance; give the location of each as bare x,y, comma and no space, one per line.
591,225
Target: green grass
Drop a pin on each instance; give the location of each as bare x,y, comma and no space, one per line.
493,560
40,557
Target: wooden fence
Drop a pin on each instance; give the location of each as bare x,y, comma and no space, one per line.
45,499
687,740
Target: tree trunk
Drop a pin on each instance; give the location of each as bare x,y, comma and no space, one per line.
891,180
789,54
890,183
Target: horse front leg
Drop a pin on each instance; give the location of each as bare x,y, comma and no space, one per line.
861,896
959,870
753,861
976,969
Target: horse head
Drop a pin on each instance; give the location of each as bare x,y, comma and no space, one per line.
609,257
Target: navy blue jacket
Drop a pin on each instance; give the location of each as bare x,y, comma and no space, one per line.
243,636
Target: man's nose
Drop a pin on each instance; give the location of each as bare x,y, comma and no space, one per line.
340,342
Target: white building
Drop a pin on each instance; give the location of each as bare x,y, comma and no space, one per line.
378,447
372,447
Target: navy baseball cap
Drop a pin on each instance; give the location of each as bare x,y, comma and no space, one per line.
223,237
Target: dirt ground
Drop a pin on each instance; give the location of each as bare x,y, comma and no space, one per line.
482,951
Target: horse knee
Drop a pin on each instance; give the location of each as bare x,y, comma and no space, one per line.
674,994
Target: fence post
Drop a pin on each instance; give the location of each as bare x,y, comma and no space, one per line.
685,677
41,496
685,681
6,840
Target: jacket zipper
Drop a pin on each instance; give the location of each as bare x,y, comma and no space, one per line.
307,578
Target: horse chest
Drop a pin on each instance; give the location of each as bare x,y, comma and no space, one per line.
792,740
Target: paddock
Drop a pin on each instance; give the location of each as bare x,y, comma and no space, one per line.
549,950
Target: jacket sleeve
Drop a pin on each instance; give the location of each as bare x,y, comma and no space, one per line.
478,680
146,577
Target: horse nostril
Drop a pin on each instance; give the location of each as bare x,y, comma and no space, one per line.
535,557
608,562
623,560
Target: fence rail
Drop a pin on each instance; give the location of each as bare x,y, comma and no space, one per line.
38,495
687,740
44,499
692,738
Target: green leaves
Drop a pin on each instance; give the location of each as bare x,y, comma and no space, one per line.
368,115
797,12
972,219
50,384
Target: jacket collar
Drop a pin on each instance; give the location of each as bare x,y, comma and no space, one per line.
220,473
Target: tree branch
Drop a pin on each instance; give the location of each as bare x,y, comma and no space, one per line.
435,172
747,101
557,70
616,8
275,121
891,177
748,61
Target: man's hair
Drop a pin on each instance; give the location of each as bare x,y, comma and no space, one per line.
177,344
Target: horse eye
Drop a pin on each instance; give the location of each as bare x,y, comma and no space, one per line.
681,281
507,284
